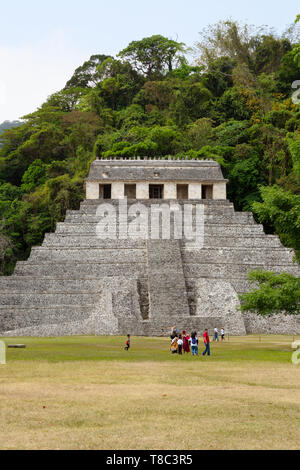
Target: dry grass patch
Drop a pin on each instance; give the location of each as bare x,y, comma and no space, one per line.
171,404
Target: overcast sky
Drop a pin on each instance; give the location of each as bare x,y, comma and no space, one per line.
43,41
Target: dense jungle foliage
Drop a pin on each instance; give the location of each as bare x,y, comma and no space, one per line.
4,126
237,103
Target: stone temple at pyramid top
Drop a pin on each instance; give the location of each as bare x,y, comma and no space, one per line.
152,178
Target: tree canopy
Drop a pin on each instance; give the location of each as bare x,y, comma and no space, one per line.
276,293
155,55
233,104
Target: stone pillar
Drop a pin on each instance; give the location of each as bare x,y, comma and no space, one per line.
142,190
195,191
117,190
219,191
170,191
92,190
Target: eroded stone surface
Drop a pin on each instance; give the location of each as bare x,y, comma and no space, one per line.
216,298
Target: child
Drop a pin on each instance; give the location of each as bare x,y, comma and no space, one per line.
222,334
194,344
127,343
180,343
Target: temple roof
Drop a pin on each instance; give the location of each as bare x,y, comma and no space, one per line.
155,170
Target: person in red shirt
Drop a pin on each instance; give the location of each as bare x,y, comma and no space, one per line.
127,343
207,343
186,344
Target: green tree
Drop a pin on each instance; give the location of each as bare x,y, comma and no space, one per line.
275,156
287,73
200,133
228,39
218,77
65,100
192,100
258,91
244,179
157,94
6,252
34,176
155,55
296,49
119,83
4,126
269,53
87,75
9,192
232,105
279,211
257,48
294,148
276,293
80,129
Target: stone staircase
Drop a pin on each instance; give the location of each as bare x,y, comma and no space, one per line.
167,289
77,283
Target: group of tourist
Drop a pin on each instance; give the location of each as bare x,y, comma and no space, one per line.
185,343
188,343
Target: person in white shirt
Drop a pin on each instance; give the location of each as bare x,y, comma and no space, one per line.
222,334
180,344
216,335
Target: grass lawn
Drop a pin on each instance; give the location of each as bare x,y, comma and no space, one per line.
88,393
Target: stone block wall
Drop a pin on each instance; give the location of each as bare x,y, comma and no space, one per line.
279,324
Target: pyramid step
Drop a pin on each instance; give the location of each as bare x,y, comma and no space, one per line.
239,285
56,240
210,229
233,270
15,317
27,300
234,218
257,241
208,209
88,241
21,285
101,255
76,270
239,255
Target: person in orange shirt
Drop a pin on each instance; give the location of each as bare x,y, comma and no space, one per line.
174,345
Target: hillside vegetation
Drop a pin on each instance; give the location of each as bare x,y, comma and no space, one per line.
4,126
237,104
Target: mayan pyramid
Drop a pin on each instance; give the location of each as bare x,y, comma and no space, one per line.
79,283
